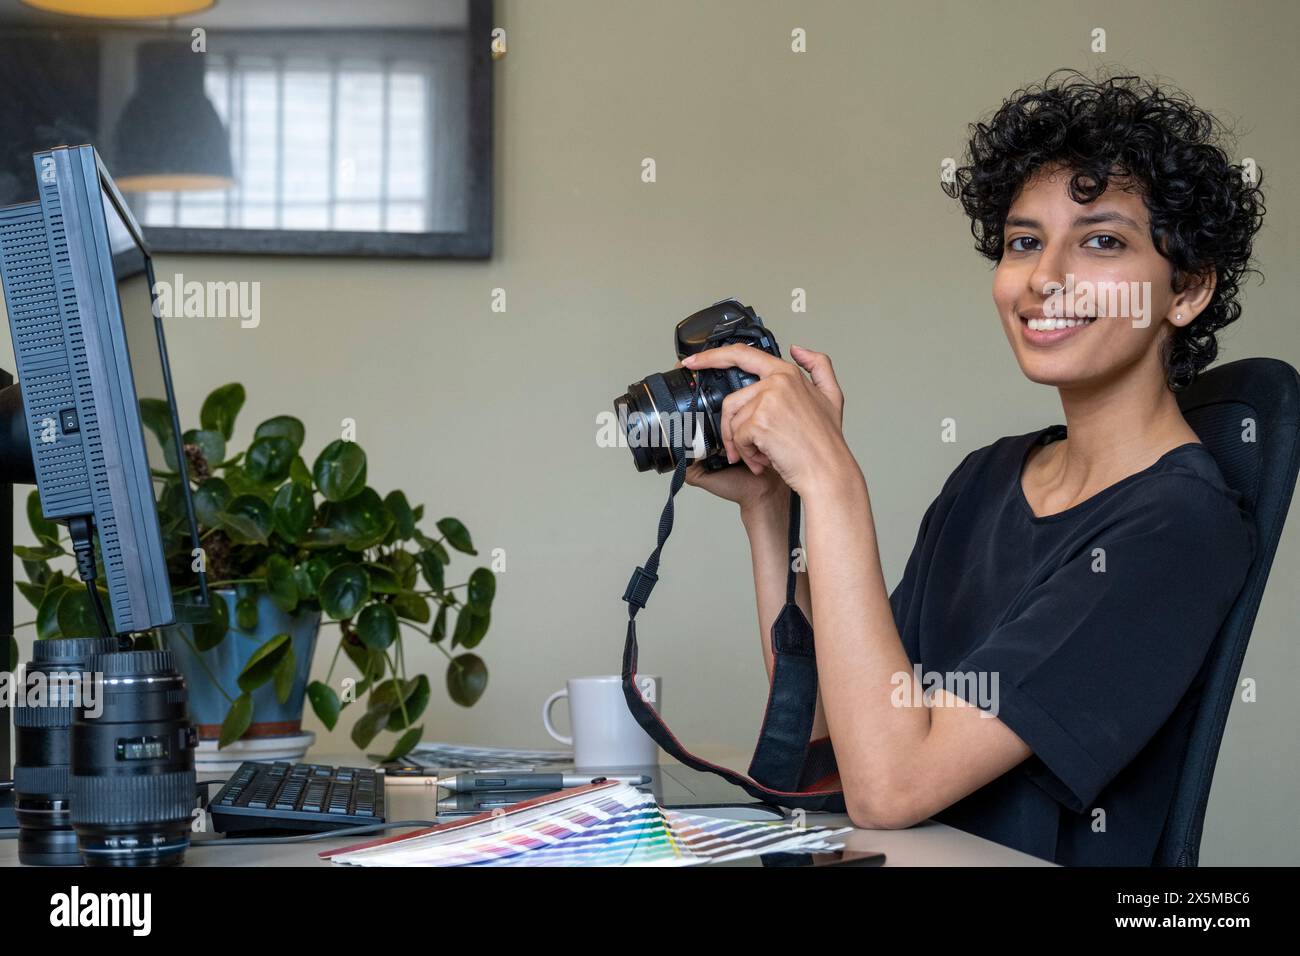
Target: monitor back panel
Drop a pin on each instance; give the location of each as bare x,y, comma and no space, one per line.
69,406
50,353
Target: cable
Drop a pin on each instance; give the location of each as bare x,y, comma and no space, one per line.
82,531
98,605
203,790
310,837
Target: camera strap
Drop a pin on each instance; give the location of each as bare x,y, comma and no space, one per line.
787,768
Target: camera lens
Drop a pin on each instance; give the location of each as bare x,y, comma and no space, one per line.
43,748
133,782
655,415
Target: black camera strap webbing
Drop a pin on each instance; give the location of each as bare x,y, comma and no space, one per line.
787,769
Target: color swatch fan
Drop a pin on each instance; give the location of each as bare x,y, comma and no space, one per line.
605,824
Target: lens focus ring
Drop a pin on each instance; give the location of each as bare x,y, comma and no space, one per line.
107,801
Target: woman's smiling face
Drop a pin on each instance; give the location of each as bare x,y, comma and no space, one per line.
1082,291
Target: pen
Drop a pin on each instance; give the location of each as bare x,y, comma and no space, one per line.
430,776
468,782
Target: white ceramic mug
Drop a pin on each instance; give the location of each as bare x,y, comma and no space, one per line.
604,732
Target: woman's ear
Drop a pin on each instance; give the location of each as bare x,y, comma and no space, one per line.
1193,299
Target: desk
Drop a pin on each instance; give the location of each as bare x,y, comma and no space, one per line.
927,844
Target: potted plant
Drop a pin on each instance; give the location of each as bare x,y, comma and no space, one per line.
283,545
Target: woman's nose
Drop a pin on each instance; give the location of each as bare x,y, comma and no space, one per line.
1048,275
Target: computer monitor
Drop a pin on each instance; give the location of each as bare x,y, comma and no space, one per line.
92,363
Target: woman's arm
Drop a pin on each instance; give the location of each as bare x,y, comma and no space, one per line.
764,502
898,764
768,530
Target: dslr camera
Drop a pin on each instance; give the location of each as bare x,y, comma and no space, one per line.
656,413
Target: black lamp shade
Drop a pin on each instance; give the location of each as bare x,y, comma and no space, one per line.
169,136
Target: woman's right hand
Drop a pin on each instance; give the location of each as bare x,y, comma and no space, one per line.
737,483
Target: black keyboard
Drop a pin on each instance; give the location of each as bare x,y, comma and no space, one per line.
302,797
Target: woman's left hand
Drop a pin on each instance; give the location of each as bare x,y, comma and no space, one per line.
786,420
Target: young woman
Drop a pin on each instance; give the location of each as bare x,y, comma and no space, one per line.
1078,573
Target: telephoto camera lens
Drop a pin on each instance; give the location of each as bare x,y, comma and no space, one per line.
133,782
43,721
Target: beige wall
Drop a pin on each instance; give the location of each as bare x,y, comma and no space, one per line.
775,171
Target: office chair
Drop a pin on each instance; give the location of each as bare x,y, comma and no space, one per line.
1217,406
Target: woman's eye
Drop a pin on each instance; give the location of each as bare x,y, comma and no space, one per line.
1108,243
1015,245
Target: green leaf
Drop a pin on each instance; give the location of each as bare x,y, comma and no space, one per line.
45,552
156,415
385,694
280,583
76,614
370,664
212,632
38,572
314,571
432,569
362,517
247,519
210,500
324,702
344,590
47,615
246,614
340,470
269,459
377,626
456,534
401,511
406,743
282,426
221,408
46,531
292,510
478,629
262,665
318,538
383,580
34,593
470,628
211,443
407,604
417,698
482,588
299,473
368,726
466,679
286,671
439,626
405,567
239,482
237,721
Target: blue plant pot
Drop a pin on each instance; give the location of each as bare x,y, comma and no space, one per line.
223,663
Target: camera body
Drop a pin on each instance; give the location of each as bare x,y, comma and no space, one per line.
656,412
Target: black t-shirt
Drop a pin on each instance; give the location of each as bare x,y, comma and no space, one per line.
1088,628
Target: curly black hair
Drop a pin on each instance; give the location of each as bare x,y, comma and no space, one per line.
1204,209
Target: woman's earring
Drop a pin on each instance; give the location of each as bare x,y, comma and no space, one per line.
1178,317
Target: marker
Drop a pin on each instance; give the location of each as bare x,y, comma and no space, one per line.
469,782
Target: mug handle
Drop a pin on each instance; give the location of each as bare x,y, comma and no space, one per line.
546,717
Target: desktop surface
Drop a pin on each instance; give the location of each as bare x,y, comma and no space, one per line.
927,844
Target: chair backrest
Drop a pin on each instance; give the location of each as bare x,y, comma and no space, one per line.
1247,414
